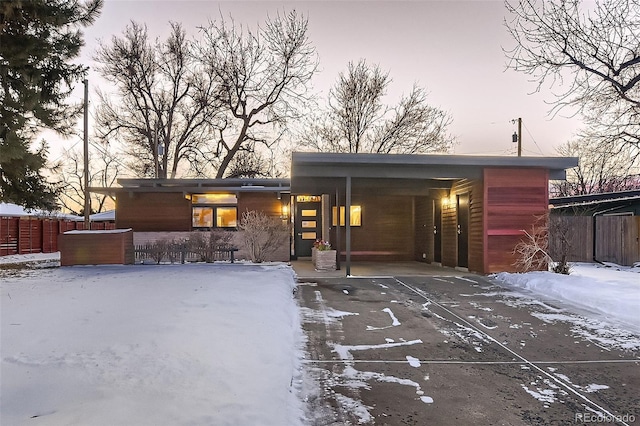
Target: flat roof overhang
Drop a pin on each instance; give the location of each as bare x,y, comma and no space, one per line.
195,186
411,174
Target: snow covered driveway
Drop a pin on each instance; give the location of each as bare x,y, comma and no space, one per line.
463,350
150,345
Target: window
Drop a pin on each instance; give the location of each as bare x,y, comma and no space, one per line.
355,216
226,217
214,210
202,217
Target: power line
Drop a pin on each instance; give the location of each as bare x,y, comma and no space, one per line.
533,139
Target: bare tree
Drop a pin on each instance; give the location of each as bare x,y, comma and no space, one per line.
602,167
163,98
357,119
592,46
104,169
262,81
534,251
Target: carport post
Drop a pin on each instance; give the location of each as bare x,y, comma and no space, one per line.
337,230
347,223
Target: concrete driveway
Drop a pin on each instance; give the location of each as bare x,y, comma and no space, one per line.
453,348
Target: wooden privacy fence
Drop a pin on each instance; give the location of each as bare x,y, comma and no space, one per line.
24,235
613,239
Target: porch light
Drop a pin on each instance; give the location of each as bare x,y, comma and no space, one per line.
285,211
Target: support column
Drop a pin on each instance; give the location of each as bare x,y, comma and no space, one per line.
337,217
347,223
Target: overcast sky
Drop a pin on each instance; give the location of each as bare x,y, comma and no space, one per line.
453,48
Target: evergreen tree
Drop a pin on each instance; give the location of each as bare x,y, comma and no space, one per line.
38,39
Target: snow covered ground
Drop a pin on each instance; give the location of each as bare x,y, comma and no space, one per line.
609,292
146,345
193,344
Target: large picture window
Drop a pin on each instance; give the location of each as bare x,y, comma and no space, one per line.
214,210
355,213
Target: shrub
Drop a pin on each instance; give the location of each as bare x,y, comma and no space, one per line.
533,250
262,235
205,244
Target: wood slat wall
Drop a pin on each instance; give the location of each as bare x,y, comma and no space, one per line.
579,233
514,200
22,235
153,212
617,239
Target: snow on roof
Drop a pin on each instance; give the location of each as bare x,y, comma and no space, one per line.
108,215
9,209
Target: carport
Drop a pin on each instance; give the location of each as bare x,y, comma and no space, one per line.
467,212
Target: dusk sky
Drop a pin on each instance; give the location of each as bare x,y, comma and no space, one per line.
453,48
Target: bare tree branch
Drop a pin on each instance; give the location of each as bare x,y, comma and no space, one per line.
357,120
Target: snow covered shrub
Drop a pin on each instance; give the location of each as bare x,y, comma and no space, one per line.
262,235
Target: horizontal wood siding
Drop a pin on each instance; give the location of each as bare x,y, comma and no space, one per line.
96,248
514,200
387,231
450,225
259,201
153,212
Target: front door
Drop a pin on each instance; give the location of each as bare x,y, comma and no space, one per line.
308,226
437,231
463,230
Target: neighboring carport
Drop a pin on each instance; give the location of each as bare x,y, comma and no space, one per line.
469,211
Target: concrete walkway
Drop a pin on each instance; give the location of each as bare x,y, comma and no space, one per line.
305,270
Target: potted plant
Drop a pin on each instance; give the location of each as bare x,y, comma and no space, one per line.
322,256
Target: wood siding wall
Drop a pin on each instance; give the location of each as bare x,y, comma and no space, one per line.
153,212
260,201
387,231
514,200
450,225
94,248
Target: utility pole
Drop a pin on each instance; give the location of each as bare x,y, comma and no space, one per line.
517,137
87,198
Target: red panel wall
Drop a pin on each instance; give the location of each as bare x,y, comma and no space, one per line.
514,200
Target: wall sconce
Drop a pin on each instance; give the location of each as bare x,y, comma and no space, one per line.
284,211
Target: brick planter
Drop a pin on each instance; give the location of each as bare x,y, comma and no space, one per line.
324,260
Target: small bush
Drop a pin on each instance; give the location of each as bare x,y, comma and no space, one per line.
159,249
205,244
